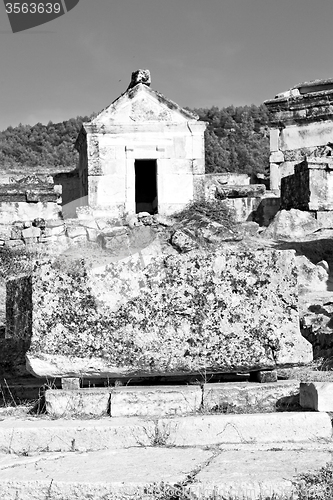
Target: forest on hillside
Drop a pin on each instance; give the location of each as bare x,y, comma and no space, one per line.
236,140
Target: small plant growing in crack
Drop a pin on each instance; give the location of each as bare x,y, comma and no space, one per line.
159,434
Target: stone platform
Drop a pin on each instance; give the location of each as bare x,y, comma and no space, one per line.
166,400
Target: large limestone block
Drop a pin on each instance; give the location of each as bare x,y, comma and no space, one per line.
246,191
222,311
148,401
317,396
92,403
291,224
312,277
238,397
243,209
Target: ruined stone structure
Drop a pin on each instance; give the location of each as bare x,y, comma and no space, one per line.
141,153
301,127
28,198
310,187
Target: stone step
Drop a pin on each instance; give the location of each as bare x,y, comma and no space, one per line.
156,473
164,400
35,434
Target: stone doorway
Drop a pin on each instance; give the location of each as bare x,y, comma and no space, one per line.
146,186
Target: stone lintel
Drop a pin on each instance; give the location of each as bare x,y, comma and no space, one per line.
320,164
118,129
301,109
288,101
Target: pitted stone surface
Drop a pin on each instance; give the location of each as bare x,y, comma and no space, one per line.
225,310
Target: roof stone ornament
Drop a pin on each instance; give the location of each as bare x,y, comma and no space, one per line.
140,76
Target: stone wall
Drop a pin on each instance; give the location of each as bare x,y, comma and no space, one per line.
301,126
310,187
29,198
70,184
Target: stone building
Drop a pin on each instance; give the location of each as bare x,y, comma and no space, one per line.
141,153
301,127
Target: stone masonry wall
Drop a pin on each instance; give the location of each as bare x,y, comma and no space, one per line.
29,198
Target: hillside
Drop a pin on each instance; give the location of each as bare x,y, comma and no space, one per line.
236,141
40,148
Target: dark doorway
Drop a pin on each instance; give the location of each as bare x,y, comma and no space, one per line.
145,186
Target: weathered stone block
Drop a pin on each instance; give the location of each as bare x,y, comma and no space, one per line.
238,397
16,233
75,231
291,224
14,243
36,195
115,244
264,376
31,232
18,308
325,218
251,191
310,187
183,242
243,209
312,277
5,232
70,383
222,311
147,401
92,234
267,209
276,157
58,230
81,402
10,211
317,396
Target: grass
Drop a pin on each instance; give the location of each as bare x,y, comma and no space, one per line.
316,485
309,486
213,211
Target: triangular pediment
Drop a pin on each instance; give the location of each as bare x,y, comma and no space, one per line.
142,104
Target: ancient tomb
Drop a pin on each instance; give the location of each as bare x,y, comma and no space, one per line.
301,126
141,153
310,187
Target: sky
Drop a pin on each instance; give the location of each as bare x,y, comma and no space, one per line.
200,53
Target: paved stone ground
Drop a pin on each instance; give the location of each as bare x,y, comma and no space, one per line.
149,473
129,458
